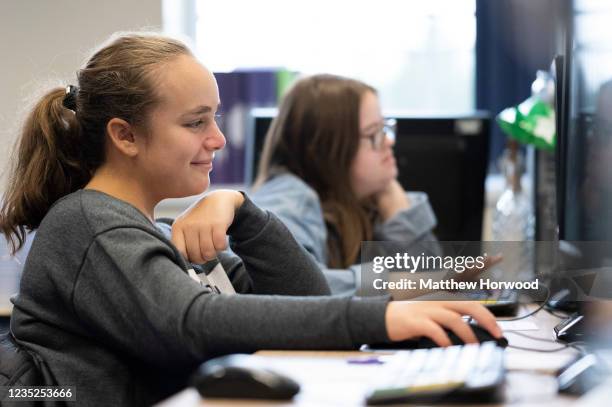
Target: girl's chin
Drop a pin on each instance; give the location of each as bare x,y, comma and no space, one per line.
198,189
391,175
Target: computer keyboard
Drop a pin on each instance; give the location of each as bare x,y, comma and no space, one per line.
472,372
502,302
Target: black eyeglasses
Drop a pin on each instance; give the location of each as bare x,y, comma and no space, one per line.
386,131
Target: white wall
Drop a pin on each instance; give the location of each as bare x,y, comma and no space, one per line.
44,42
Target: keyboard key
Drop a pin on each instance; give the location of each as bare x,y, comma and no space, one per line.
423,375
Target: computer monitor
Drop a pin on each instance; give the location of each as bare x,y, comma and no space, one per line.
584,177
445,156
548,186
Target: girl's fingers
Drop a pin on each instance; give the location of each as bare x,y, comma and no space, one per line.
207,248
480,313
435,332
452,320
192,242
219,233
178,239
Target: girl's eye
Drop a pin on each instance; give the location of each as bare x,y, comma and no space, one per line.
200,123
195,125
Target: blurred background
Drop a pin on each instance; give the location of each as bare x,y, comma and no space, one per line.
440,60
450,56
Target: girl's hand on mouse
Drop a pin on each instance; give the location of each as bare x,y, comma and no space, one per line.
200,232
409,320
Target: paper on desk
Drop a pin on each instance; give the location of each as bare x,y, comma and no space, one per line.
520,325
547,363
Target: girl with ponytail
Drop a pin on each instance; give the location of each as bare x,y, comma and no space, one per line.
48,166
108,301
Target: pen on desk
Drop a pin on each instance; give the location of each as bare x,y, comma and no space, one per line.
366,360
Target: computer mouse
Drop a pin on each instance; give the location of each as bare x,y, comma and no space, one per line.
425,343
242,376
581,374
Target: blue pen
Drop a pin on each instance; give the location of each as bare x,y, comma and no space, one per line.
368,360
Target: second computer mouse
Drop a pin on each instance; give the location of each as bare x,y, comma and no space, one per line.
242,376
425,343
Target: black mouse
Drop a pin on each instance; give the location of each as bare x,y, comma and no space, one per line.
425,343
242,376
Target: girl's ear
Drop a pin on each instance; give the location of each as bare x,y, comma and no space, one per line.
121,134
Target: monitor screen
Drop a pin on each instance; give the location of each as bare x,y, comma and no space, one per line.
587,204
444,156
584,157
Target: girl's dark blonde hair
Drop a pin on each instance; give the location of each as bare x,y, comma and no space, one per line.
59,149
316,137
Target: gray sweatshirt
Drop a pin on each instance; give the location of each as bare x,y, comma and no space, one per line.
106,303
298,206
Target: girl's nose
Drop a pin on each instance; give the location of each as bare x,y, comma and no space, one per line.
215,141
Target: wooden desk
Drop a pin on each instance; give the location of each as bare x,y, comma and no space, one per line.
530,379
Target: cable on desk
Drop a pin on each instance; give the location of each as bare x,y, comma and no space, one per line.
539,350
553,313
532,337
534,311
572,345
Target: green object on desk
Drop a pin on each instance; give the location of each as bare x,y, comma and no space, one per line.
531,122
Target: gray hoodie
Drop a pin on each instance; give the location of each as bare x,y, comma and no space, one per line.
106,303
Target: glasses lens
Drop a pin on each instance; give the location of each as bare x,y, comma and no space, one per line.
388,131
378,139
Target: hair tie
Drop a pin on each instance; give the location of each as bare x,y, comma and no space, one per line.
69,101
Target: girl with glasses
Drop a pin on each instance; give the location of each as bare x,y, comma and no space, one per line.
328,172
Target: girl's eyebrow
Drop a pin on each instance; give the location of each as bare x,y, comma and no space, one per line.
373,126
202,109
